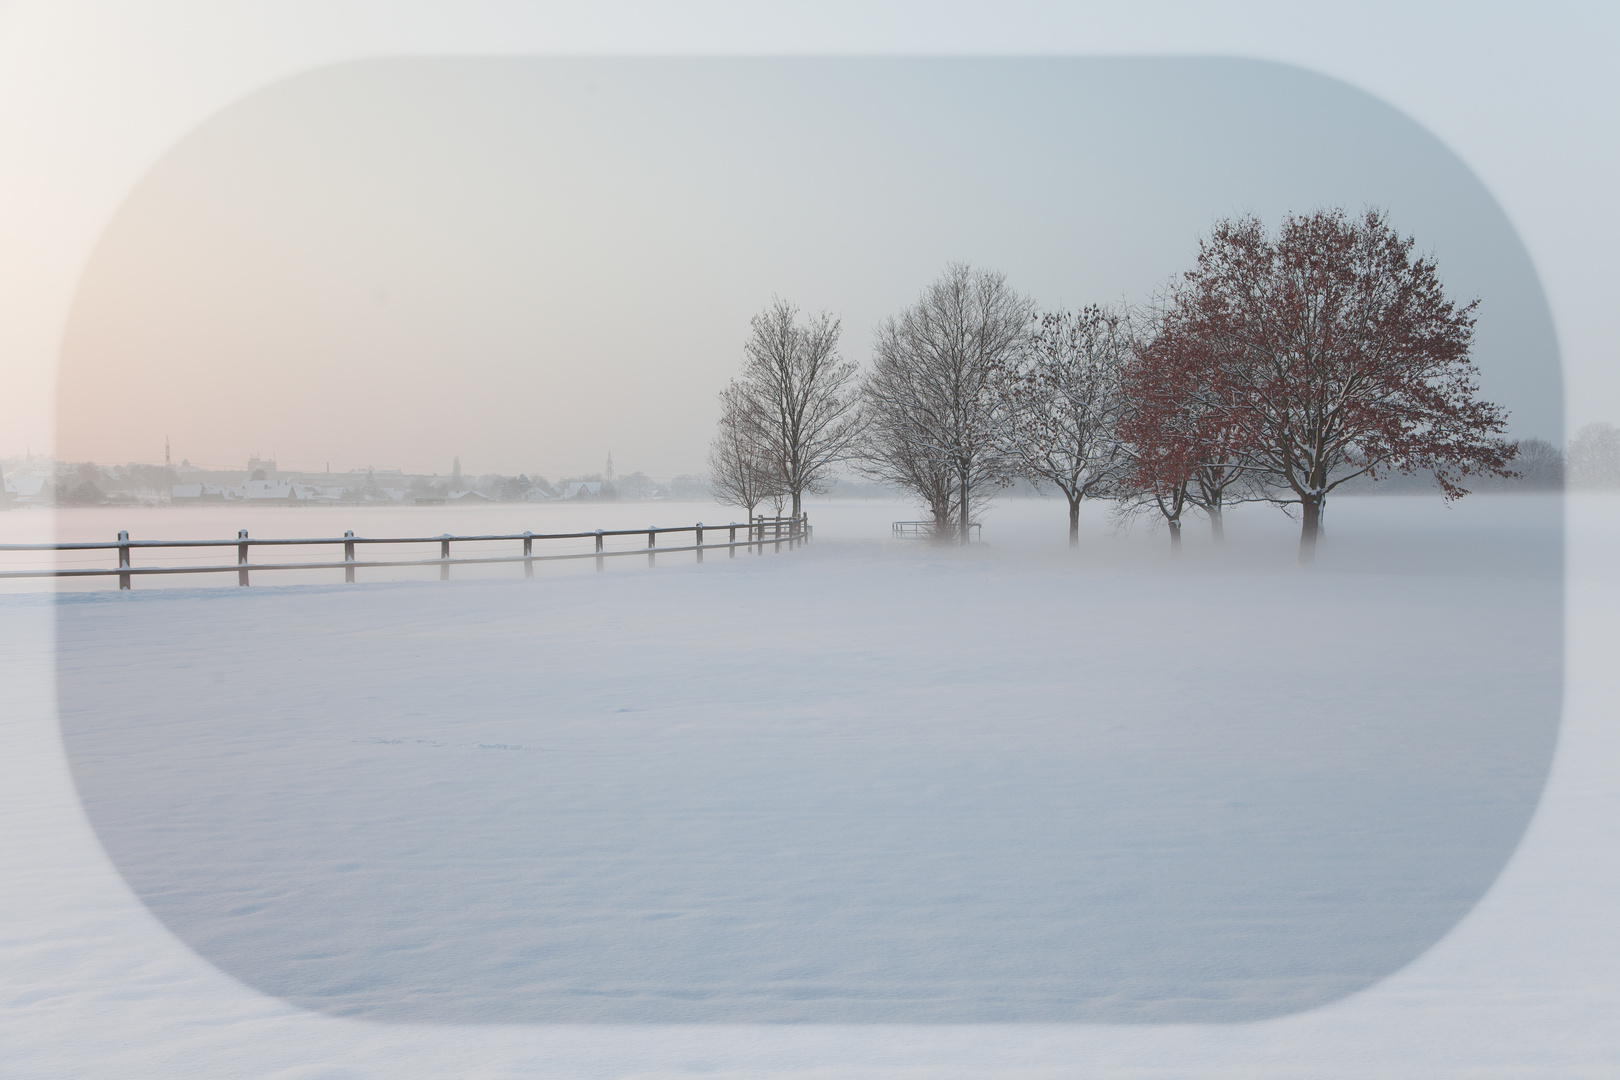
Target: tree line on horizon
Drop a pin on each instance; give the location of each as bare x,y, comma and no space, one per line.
1280,367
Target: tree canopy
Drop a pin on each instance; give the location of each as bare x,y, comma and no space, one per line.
1304,360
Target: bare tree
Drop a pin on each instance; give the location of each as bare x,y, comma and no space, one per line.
801,396
1059,402
902,449
1594,456
741,472
928,398
1540,465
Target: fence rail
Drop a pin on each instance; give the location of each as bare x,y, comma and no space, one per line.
927,530
757,534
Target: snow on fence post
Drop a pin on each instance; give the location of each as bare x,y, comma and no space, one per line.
652,538
599,549
123,557
700,541
348,556
241,558
528,549
444,556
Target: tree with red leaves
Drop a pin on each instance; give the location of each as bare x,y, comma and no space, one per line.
1304,361
1182,444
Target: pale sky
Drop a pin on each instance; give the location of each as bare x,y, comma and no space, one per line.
530,263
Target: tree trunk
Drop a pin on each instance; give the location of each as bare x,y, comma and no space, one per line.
1074,521
796,494
962,485
944,524
1175,537
1310,528
1217,524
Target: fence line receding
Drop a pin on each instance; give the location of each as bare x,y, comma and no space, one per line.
754,535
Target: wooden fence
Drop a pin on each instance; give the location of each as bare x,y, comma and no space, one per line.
757,534
927,530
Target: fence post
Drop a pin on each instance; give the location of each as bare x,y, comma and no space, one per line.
528,549
123,557
652,538
778,531
241,557
700,541
731,545
444,556
348,556
599,549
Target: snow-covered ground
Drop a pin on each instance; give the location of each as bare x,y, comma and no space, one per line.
1012,809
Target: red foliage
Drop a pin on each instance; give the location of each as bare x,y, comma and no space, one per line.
1327,353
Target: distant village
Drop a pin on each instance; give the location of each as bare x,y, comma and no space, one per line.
40,481
33,480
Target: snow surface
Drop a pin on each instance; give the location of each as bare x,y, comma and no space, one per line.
896,790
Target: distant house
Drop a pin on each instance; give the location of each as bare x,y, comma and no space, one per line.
583,489
536,494
26,487
313,493
267,492
469,497
196,493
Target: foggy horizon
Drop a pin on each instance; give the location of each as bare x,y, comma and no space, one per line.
531,264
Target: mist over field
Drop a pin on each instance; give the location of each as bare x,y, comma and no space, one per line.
1398,534
864,780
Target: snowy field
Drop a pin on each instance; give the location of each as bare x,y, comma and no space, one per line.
864,808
